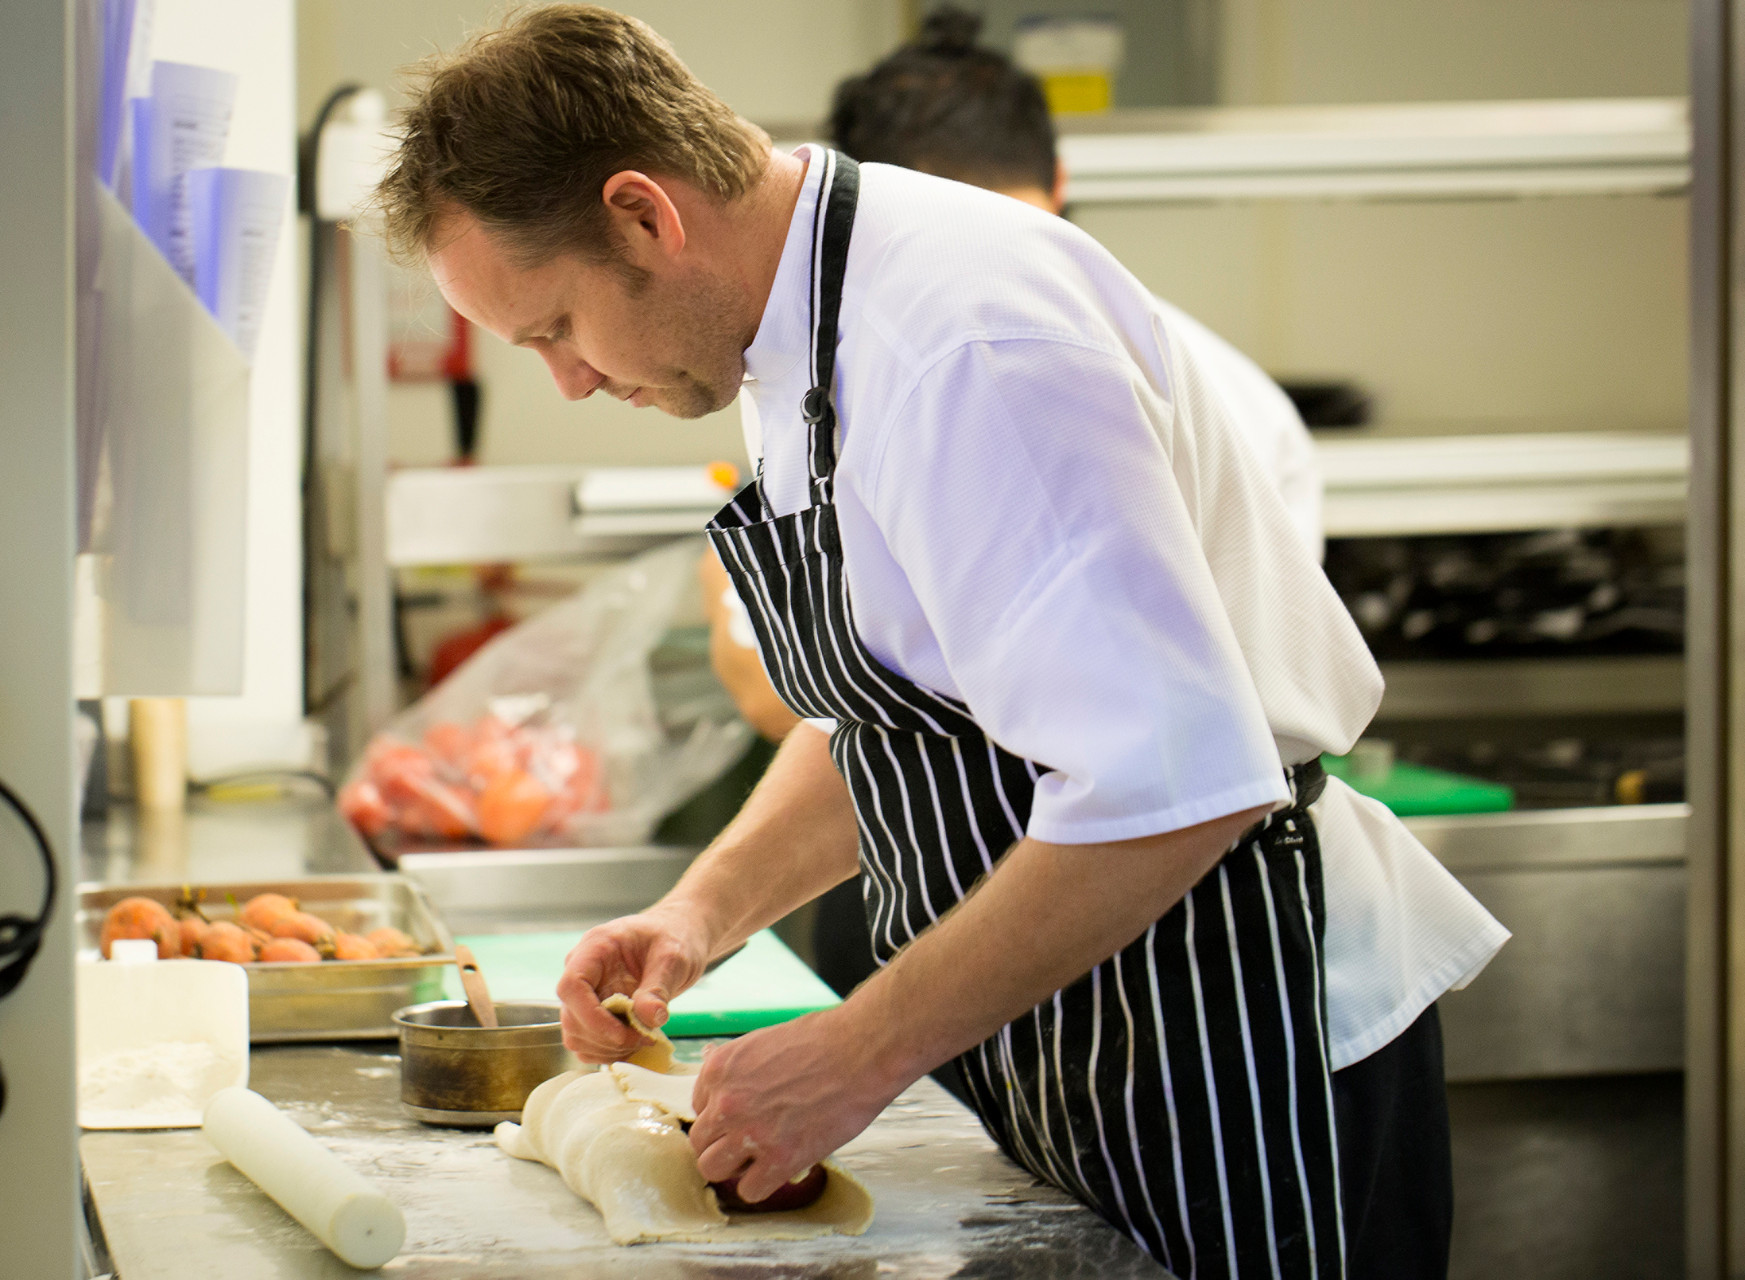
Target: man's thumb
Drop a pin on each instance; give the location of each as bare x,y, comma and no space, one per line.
652,994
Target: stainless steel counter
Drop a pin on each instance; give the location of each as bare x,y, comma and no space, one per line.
168,1206
223,840
948,1203
1593,981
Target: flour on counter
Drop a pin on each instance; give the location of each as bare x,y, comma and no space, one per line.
160,1080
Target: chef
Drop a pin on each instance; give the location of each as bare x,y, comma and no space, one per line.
1079,668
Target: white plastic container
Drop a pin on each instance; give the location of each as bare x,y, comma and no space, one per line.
157,1039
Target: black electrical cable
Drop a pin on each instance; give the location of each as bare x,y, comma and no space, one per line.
21,936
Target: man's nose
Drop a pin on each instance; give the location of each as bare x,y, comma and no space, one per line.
576,379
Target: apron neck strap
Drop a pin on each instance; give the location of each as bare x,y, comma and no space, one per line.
832,226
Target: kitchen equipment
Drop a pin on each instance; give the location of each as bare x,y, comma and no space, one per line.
273,1151
454,1072
762,984
478,993
157,1039
513,890
333,1000
158,728
1411,790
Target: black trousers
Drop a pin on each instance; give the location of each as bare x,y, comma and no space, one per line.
1396,1174
841,941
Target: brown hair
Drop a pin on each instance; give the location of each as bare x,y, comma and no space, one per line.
522,126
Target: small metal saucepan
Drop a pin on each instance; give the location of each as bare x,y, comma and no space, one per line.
455,1072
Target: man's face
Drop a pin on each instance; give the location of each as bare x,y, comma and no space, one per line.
672,339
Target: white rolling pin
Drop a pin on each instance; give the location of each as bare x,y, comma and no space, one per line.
349,1216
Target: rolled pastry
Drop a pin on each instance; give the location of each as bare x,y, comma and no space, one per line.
617,1139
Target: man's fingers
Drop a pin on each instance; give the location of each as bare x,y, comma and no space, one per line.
588,1045
619,1040
726,1158
759,1182
590,1032
655,988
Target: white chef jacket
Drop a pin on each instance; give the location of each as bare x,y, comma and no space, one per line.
1263,414
1048,512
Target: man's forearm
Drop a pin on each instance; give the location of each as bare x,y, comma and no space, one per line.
795,838
1047,915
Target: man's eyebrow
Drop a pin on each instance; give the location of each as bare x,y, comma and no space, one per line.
532,331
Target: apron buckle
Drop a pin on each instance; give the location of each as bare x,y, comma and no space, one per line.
815,405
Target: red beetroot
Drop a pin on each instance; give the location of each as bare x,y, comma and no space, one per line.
790,1195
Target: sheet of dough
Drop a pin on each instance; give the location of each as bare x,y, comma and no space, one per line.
616,1139
657,1056
670,1092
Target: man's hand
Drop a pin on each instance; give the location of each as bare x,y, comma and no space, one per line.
773,1103
650,957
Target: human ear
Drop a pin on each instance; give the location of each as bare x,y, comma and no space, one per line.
644,215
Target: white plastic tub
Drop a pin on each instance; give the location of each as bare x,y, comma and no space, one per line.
156,1039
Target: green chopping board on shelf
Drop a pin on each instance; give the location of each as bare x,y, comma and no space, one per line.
761,985
1414,791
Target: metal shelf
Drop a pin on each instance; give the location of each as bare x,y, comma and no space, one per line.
1501,483
1557,839
1623,146
487,515
1527,687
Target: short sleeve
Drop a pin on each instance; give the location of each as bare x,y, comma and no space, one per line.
1025,490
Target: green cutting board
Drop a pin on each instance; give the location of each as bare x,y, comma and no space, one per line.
765,983
1412,790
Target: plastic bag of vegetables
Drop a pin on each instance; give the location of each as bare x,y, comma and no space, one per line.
552,733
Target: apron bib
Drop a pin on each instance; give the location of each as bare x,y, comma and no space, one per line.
1181,1088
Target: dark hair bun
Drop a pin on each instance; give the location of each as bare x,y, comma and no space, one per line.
949,30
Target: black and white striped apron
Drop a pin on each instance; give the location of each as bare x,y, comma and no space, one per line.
1181,1088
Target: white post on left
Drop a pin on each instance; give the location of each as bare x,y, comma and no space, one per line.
39,1185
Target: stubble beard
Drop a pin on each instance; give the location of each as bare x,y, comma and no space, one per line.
712,358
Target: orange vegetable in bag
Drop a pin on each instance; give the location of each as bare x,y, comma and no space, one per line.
448,742
512,807
363,806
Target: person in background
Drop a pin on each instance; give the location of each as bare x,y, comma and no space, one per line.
945,105
942,104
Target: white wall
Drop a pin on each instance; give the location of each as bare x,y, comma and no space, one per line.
1483,315
1540,314
1493,314
1279,51
264,724
773,60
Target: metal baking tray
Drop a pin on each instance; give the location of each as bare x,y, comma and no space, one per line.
333,1000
